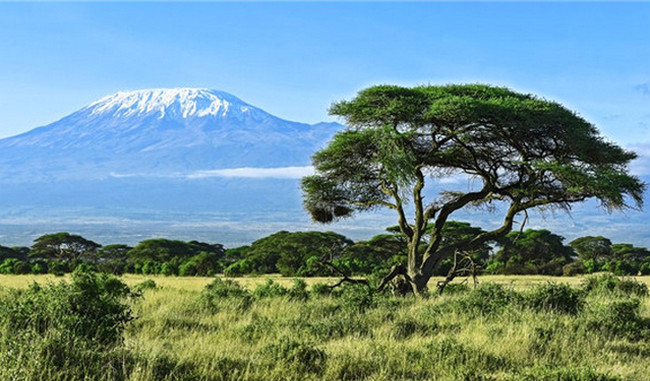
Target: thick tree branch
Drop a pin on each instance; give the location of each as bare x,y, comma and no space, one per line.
402,222
445,211
470,269
394,272
345,278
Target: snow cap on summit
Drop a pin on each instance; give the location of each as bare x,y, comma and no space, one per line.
182,102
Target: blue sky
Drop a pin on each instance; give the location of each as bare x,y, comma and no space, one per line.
294,59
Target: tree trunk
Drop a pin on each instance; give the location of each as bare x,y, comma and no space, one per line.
419,284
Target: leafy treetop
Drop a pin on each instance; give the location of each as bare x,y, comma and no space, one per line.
527,152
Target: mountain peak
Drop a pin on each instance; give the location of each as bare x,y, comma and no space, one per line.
179,102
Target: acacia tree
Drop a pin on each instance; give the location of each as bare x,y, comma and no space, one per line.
592,248
63,245
525,152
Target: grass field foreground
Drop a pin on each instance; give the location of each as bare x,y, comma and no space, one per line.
523,329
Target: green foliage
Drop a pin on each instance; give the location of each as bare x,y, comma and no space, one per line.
301,254
188,268
556,297
619,318
240,268
525,151
298,290
320,289
114,252
148,284
574,268
224,289
269,289
608,283
291,254
14,266
227,290
357,297
39,268
93,307
532,252
599,254
487,299
184,258
377,254
592,248
63,245
13,252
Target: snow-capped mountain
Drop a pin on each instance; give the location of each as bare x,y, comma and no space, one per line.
159,133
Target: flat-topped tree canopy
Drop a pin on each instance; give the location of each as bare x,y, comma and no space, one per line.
526,151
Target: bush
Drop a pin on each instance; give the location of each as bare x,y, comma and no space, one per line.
187,269
148,284
227,289
488,298
619,318
57,267
320,289
269,289
238,269
609,283
573,268
168,269
298,290
456,288
357,297
556,297
11,266
39,268
91,308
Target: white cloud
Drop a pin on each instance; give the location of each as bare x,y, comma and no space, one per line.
257,173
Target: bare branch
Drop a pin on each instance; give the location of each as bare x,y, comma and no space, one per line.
394,272
471,269
344,276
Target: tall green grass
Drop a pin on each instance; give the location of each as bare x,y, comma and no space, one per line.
287,331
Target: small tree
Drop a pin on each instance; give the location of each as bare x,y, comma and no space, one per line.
533,252
592,248
116,251
63,245
524,151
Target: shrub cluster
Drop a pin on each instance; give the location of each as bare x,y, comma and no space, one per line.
556,297
68,329
608,283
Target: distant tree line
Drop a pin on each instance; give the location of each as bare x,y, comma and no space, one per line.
316,253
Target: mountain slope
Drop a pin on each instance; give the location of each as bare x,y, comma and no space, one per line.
160,133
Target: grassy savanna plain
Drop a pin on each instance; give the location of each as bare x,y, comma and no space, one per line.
510,328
